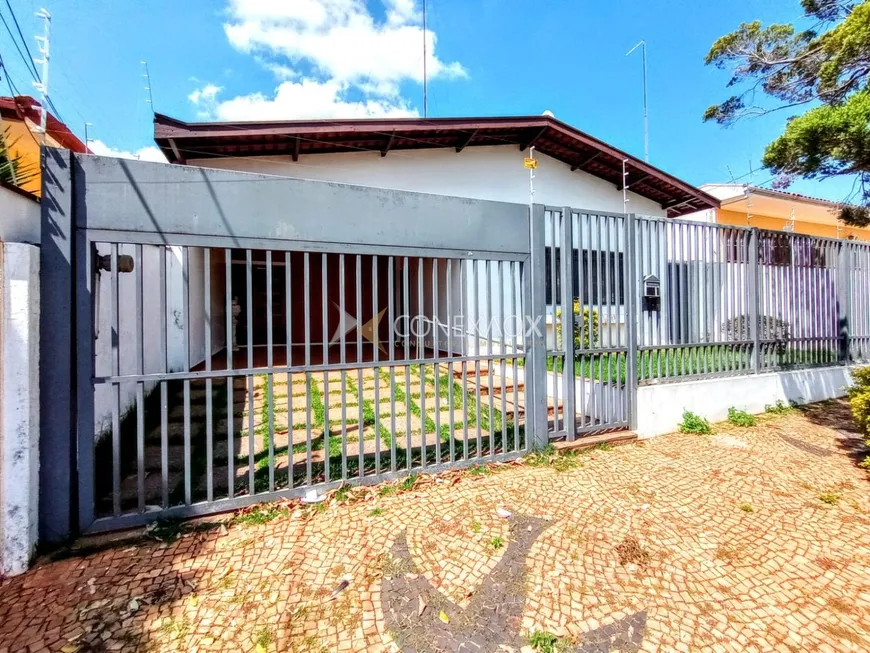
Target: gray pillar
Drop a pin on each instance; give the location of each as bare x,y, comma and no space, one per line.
569,397
536,399
754,301
56,373
632,314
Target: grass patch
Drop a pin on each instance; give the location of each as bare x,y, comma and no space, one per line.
261,513
740,418
830,498
375,512
496,543
543,642
550,457
746,507
263,639
779,408
694,424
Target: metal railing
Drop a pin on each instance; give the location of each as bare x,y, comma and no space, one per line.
738,300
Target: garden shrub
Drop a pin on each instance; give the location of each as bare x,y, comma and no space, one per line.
740,417
859,398
589,325
693,423
770,328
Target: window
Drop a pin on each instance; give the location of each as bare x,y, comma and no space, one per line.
604,287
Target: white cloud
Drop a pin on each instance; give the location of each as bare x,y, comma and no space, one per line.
149,153
306,99
341,39
205,94
333,59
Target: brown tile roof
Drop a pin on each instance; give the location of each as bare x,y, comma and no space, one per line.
180,141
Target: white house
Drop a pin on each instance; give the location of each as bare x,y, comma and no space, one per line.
480,158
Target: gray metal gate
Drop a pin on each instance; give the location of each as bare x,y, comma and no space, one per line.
236,338
588,307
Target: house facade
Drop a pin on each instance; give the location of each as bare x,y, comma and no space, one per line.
751,206
476,158
20,128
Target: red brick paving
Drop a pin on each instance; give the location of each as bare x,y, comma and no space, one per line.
737,552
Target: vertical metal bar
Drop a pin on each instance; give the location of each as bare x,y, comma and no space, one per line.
610,262
536,346
586,331
406,306
489,364
475,287
376,370
228,301
209,423
515,279
324,307
420,316
556,299
421,354
450,398
342,343
116,388
249,315
631,323
463,283
502,361
569,410
164,395
140,388
436,345
185,256
754,297
270,363
306,292
392,322
288,330
359,372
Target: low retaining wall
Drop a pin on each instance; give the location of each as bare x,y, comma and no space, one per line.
19,405
660,406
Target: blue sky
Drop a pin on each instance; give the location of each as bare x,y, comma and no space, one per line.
266,59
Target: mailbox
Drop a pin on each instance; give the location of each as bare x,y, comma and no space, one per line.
652,293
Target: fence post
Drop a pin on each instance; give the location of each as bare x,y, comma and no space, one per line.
569,410
536,376
844,302
754,300
57,348
632,315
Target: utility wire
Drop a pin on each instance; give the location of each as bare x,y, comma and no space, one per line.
30,69
23,40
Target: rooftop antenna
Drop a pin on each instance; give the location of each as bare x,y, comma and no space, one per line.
425,89
625,199
147,77
731,174
42,85
642,44
790,224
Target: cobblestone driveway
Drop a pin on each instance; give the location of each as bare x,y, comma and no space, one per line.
746,540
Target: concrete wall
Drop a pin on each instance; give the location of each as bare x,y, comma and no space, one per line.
660,406
19,216
19,405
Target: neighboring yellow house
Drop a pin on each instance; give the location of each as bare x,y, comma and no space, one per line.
20,122
777,210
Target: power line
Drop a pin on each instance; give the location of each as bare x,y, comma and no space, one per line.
23,41
31,70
